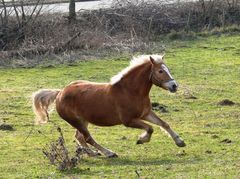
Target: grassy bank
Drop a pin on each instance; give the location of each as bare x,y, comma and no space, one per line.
207,69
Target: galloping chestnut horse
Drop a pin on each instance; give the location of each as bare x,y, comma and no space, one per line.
125,100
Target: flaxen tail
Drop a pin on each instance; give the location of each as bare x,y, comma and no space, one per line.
42,99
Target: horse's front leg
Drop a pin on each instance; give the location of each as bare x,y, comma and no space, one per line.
139,124
153,118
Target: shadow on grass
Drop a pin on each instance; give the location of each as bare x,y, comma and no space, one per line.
79,170
123,162
147,161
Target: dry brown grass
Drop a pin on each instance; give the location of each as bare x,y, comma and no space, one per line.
126,27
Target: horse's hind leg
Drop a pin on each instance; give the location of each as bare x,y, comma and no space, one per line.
81,126
91,141
153,118
81,140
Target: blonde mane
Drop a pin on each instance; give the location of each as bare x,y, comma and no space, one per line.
135,62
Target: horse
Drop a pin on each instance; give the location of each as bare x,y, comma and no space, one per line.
122,101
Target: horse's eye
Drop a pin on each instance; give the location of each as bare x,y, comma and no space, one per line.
160,71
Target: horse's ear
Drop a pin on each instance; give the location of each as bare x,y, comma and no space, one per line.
163,56
152,60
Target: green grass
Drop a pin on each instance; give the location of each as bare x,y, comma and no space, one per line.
208,68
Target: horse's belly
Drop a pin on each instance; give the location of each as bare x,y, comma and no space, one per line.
100,115
104,121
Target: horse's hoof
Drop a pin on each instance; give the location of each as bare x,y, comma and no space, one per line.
112,155
181,144
139,142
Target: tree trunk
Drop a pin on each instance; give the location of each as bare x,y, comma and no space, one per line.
72,11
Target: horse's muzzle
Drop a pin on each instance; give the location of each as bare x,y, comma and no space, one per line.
172,86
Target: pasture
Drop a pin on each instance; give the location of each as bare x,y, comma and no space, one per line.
208,71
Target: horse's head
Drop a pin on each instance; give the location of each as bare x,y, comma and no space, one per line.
160,75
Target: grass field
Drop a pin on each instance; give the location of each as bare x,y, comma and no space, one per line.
206,68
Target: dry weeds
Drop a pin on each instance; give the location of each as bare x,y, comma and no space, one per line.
58,154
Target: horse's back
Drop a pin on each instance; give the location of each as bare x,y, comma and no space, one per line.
89,101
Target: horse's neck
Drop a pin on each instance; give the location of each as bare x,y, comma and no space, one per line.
137,80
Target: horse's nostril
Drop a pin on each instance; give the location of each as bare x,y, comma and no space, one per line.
174,86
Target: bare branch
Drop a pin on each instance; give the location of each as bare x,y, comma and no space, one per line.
16,13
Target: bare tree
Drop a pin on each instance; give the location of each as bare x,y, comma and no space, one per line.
14,21
72,11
